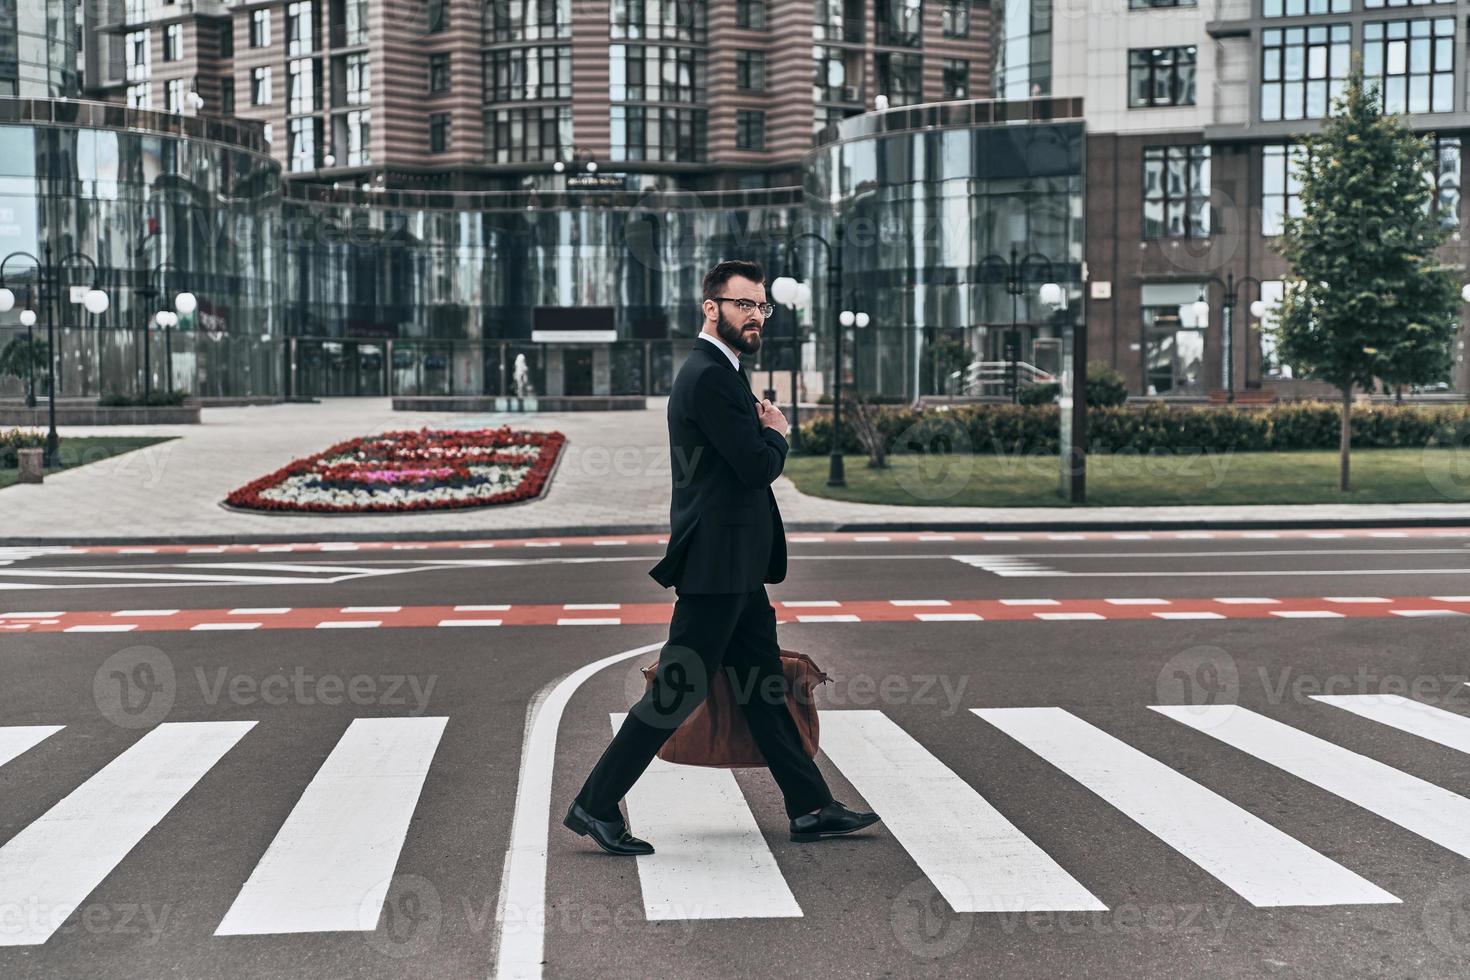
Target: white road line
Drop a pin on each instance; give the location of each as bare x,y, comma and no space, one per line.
807,540
1416,805
936,537
710,859
260,611
1132,537
128,613
469,622
371,609
349,624
975,857
1306,614
1069,616
1450,598
809,603
948,617
15,739
1348,600
541,544
329,867
497,608
603,544
54,863
521,906
223,627
31,615
1258,862
1188,615
585,621
918,602
1415,717
872,537
840,618
1000,537
1029,602
1426,612
1137,602
591,605
105,628
1246,601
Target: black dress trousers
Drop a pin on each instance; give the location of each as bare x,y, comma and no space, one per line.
735,633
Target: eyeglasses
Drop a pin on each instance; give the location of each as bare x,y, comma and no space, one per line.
749,305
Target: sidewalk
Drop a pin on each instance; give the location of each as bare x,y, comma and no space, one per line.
613,477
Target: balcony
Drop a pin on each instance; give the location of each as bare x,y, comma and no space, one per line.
848,31
347,36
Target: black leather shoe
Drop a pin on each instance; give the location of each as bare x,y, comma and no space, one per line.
610,835
832,820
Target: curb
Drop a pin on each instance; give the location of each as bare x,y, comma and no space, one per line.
460,534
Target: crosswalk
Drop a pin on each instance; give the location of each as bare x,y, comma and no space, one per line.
331,862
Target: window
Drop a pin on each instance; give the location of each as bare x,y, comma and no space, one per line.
269,132
298,28
658,20
173,95
227,96
1281,190
900,77
358,80
260,86
956,18
354,132
750,71
438,132
899,22
173,42
227,39
525,74
829,76
1298,8
1444,176
1413,62
520,135
1302,70
649,73
357,22
139,97
658,133
1161,76
750,130
1374,4
438,73
302,87
750,15
528,20
1174,339
301,144
260,28
1148,4
1176,192
956,78
438,11
137,56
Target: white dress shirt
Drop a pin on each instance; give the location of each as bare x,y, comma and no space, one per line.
733,357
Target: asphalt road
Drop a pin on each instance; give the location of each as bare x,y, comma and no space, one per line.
1096,754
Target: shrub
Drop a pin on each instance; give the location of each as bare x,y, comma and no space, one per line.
1105,387
155,398
17,439
1040,394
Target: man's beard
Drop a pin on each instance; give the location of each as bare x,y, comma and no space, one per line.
736,338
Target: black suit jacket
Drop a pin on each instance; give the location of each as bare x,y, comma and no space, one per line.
726,534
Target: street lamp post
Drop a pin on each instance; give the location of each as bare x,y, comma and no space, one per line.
95,301
28,320
1014,272
786,290
1227,325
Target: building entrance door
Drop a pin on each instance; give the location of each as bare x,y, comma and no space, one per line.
577,371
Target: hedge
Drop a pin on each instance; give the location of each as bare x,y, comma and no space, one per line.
1035,429
18,439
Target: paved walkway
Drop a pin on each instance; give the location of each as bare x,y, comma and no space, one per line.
614,475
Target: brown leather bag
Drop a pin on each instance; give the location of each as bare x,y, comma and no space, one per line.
716,734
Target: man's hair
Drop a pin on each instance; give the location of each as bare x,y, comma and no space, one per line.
715,279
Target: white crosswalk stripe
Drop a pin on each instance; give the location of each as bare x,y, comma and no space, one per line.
1007,566
1414,717
711,860
329,867
1414,804
976,858
16,739
52,865
1258,862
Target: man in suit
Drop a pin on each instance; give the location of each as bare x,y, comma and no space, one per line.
725,542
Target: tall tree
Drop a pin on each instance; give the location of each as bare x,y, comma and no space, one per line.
1366,297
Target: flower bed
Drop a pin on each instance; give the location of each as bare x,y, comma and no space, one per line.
430,469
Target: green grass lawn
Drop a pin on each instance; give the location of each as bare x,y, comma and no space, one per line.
1379,476
90,449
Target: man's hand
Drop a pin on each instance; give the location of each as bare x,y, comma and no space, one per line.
771,417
